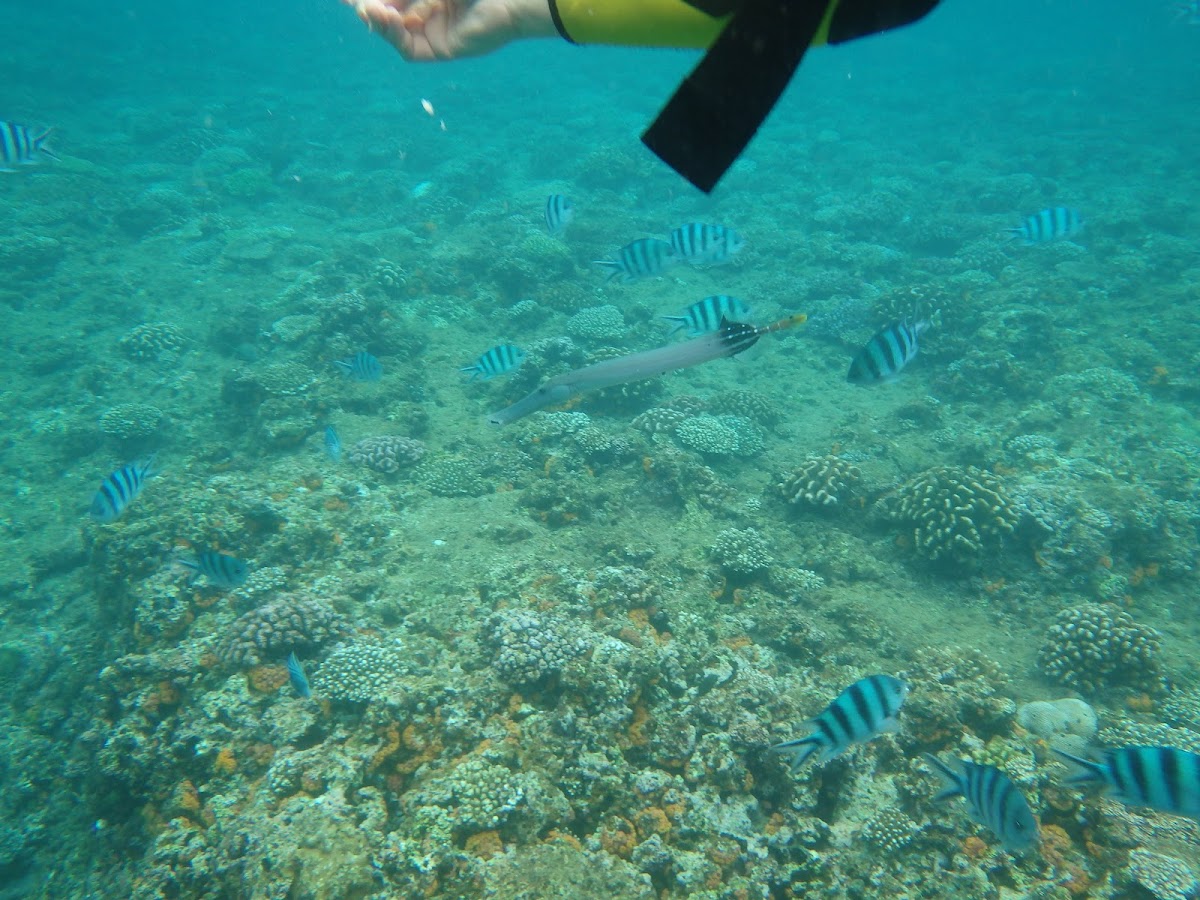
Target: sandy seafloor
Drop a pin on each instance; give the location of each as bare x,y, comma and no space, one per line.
550,659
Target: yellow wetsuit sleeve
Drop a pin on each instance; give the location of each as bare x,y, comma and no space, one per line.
647,23
635,23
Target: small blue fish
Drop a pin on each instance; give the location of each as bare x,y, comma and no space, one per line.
1161,778
333,444
496,361
559,213
992,800
887,352
862,711
362,366
119,489
701,244
19,146
297,677
640,259
705,315
221,569
1051,224
1187,11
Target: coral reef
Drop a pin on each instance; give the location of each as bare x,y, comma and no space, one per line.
659,420
1098,646
529,648
719,436
741,552
131,421
750,404
1165,877
386,453
597,323
890,831
153,341
271,631
359,672
820,481
453,477
956,514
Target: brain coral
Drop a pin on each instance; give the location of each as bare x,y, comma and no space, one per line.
276,628
820,481
955,513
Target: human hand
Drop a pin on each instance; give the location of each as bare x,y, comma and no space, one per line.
424,30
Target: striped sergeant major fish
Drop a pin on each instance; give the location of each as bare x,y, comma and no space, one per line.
221,569
297,677
19,146
559,213
498,360
119,489
362,366
862,711
701,244
887,352
706,315
992,800
1161,778
1051,224
333,444
640,259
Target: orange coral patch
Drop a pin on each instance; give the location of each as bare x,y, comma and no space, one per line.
266,679
225,763
485,844
652,820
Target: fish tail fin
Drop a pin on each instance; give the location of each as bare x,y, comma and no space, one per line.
802,749
40,143
952,779
678,322
1082,771
614,268
149,465
471,371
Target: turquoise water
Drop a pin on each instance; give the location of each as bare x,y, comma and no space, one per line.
551,659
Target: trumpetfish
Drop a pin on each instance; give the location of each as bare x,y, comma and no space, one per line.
730,339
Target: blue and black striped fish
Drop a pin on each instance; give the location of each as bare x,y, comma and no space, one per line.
297,677
221,569
496,361
362,366
119,489
333,444
862,711
1161,778
19,146
992,800
705,315
1049,224
559,213
701,244
887,352
640,259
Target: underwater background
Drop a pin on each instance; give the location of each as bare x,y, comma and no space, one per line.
551,659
